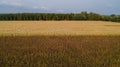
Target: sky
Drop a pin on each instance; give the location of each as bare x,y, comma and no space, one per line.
64,6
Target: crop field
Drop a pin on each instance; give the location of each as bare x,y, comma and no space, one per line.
59,28
59,44
60,51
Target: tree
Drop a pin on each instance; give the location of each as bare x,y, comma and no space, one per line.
52,16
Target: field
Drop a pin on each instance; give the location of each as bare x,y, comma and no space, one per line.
59,44
59,28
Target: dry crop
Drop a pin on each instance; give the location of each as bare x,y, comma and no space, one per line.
59,28
60,51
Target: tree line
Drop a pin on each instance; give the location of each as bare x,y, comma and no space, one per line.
54,16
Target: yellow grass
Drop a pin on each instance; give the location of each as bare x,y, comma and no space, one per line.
59,28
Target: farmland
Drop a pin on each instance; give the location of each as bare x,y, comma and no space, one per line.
60,51
59,44
59,28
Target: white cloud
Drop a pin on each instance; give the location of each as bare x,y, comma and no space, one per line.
45,8
11,2
60,11
40,7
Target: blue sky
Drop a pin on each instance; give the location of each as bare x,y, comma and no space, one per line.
67,6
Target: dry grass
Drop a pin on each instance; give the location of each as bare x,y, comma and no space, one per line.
59,28
37,50
60,51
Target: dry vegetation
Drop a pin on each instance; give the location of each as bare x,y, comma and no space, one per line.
38,44
60,51
59,28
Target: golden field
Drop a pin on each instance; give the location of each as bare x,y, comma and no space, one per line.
59,28
38,44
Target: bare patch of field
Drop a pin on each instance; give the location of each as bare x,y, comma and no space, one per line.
59,28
